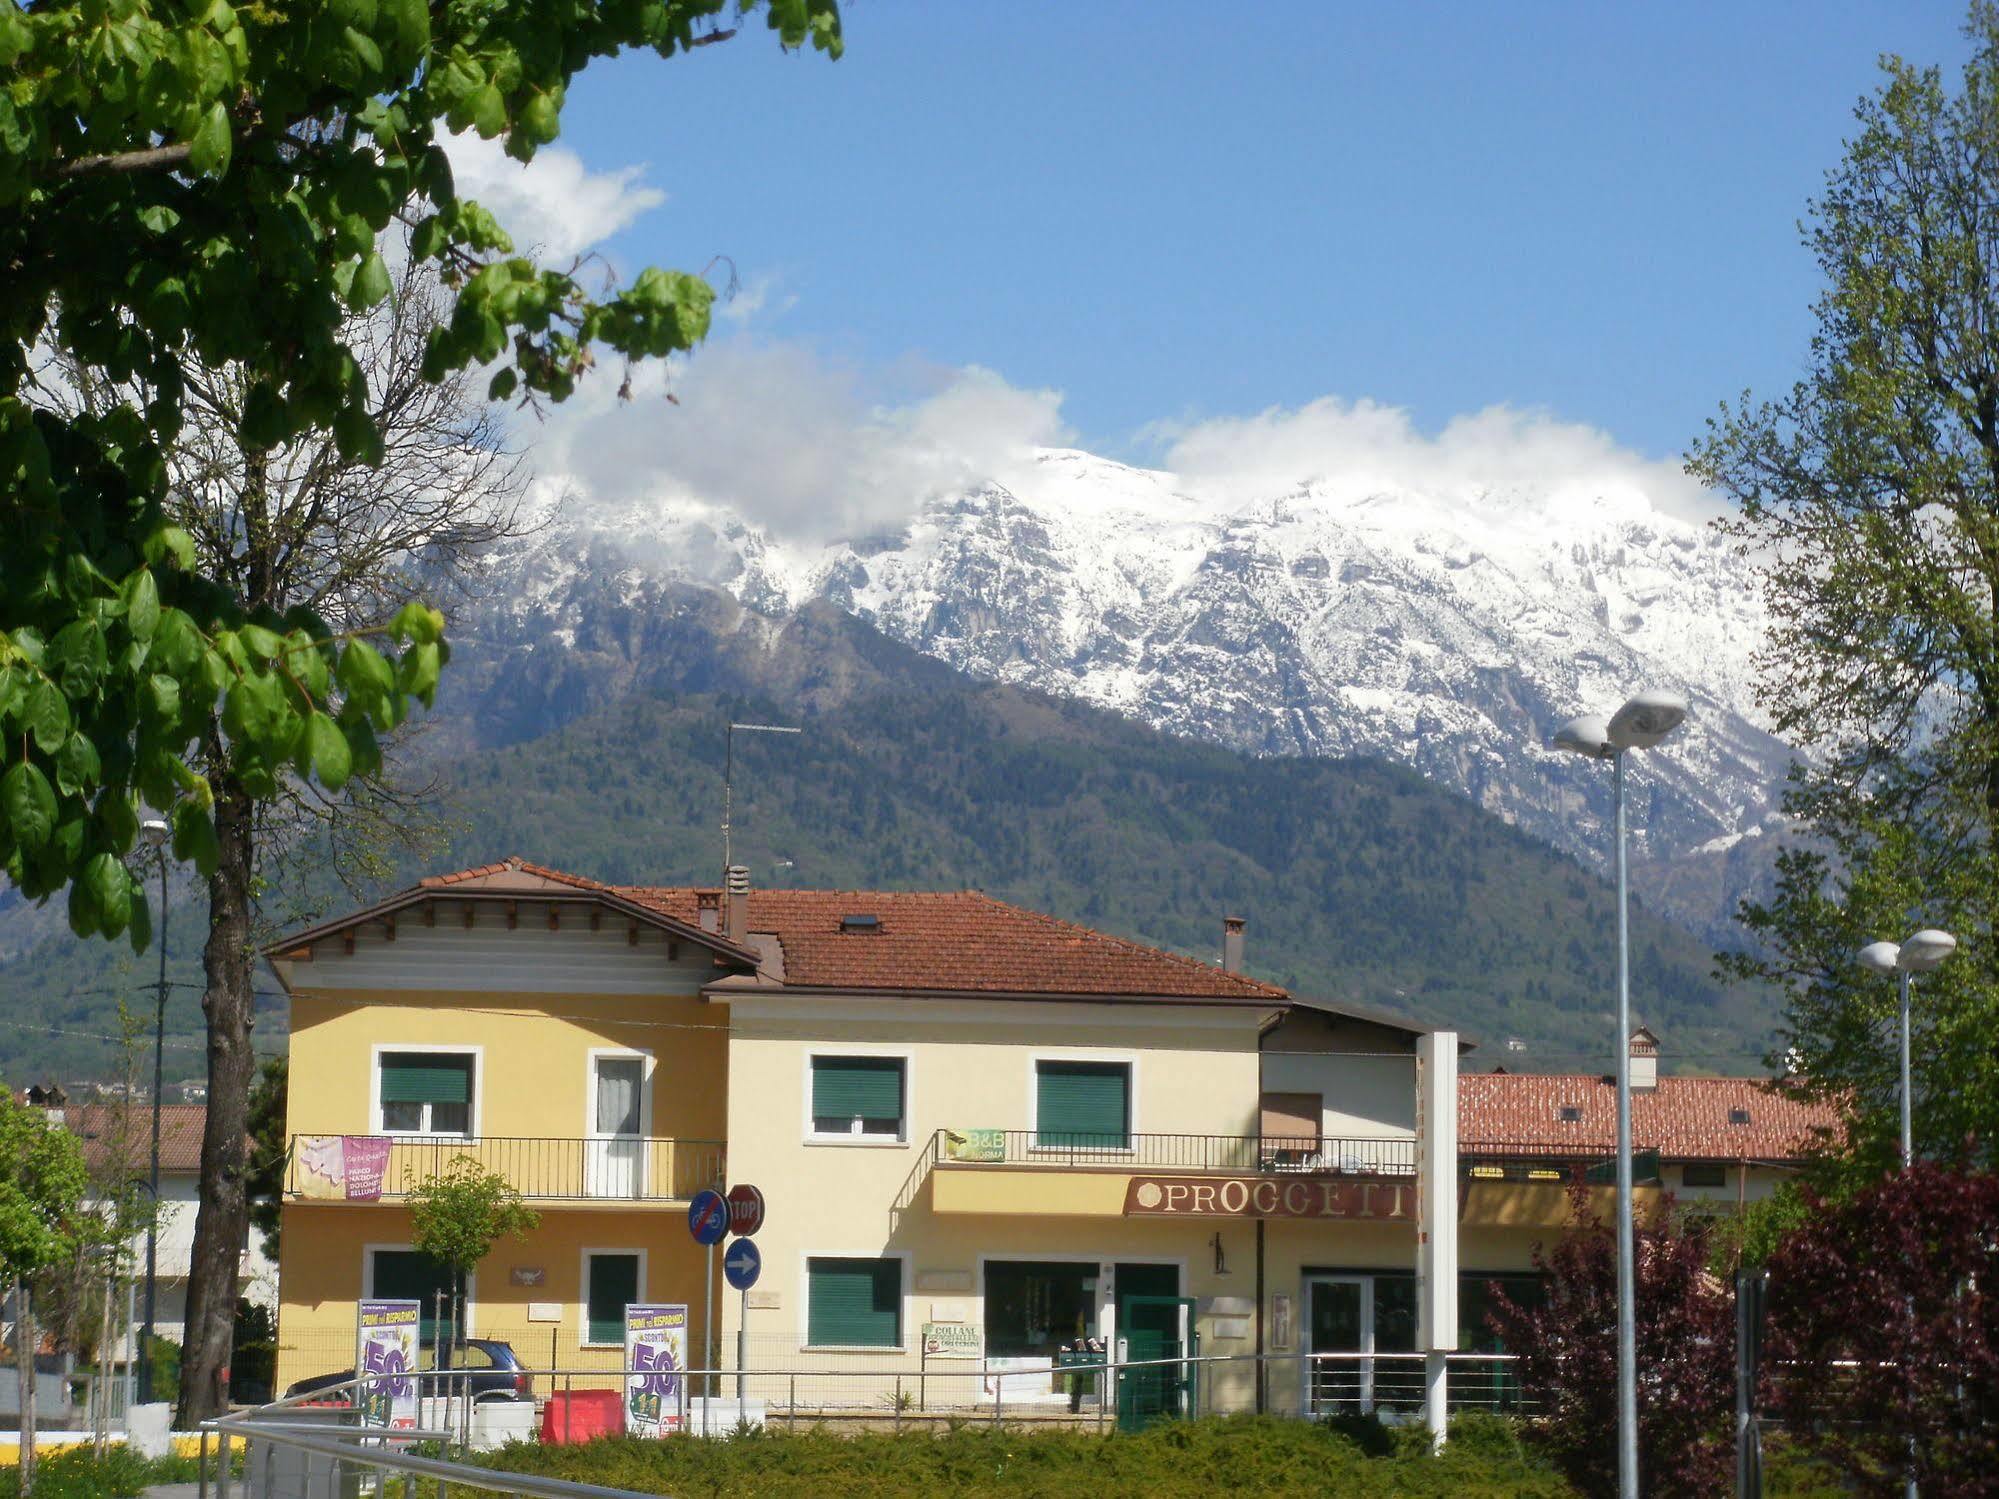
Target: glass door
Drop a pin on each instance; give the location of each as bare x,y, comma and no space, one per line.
1339,1334
614,1153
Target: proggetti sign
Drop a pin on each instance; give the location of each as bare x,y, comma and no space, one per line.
1265,1197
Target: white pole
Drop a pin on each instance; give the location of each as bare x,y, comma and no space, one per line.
708,1326
1908,1131
743,1351
1627,1320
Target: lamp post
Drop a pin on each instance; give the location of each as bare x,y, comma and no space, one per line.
154,831
729,775
1923,952
1640,724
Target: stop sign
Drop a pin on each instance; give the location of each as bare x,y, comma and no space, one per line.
746,1209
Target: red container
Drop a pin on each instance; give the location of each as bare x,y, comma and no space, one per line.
581,1415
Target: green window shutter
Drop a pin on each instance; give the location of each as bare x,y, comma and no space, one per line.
614,1283
1083,1104
424,1077
845,1088
854,1303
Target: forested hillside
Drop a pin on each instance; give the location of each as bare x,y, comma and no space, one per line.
1360,881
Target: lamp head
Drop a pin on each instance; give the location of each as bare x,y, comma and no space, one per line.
1588,735
1926,950
154,831
1646,719
1880,957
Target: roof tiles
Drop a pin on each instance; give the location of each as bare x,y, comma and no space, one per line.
1683,1118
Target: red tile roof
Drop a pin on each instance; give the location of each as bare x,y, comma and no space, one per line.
107,1130
1683,1118
510,867
960,942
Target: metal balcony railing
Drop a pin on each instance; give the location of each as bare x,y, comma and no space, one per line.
1242,1155
543,1168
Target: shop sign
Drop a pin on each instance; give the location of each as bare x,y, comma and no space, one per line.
950,1340
987,1145
1267,1197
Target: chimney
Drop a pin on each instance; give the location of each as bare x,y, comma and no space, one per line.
708,909
1232,943
736,921
1644,1061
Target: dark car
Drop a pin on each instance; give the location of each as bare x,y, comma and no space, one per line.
492,1370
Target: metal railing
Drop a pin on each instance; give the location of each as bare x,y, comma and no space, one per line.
1248,1155
539,1167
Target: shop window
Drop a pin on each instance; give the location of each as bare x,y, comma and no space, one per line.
1034,1307
858,1096
853,1303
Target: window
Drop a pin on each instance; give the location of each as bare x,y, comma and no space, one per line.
405,1275
610,1283
1703,1174
1570,1114
858,1096
426,1092
1035,1307
852,1303
1082,1105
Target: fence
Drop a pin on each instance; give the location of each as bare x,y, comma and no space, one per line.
540,1168
1244,1154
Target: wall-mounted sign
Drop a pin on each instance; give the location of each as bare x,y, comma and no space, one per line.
975,1145
1265,1197
950,1340
1280,1320
528,1275
544,1311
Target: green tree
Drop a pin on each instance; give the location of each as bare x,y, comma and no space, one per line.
268,1150
458,1215
1869,508
186,183
42,1181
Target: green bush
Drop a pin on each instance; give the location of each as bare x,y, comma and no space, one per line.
1234,1455
74,1472
166,1368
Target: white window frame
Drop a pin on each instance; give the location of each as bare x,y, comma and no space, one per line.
596,1054
422,1048
805,1259
368,1252
854,1138
1126,1059
583,1289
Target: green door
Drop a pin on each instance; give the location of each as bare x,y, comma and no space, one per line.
1153,1322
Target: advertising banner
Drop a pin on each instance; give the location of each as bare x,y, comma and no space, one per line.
342,1166
975,1145
656,1358
388,1338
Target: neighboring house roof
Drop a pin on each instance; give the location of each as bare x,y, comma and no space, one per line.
961,942
106,1128
1683,1118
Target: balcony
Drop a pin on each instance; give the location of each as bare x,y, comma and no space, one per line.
1230,1155
601,1173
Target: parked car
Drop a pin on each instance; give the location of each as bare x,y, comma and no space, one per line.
492,1370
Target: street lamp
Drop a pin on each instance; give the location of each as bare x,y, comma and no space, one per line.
1922,953
154,831
729,775
1640,724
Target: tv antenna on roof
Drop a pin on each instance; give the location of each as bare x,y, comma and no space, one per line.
729,776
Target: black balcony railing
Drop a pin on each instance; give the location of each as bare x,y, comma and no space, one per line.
1245,1155
540,1168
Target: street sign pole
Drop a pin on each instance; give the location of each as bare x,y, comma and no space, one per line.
708,1326
742,1348
708,1221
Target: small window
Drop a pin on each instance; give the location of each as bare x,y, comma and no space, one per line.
1738,1116
1570,1114
1703,1174
610,1283
426,1093
860,923
853,1303
858,1096
1082,1106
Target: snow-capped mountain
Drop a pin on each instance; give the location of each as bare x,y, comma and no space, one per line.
1449,630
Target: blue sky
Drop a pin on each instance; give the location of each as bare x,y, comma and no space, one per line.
1170,213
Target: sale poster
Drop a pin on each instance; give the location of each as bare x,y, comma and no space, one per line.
387,1362
656,1368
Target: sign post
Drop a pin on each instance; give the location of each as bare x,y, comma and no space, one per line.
386,1356
708,1221
655,1367
742,1264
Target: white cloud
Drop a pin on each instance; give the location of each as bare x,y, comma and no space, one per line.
1364,444
791,441
553,205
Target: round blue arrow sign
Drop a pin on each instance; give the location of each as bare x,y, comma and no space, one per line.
742,1264
708,1217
